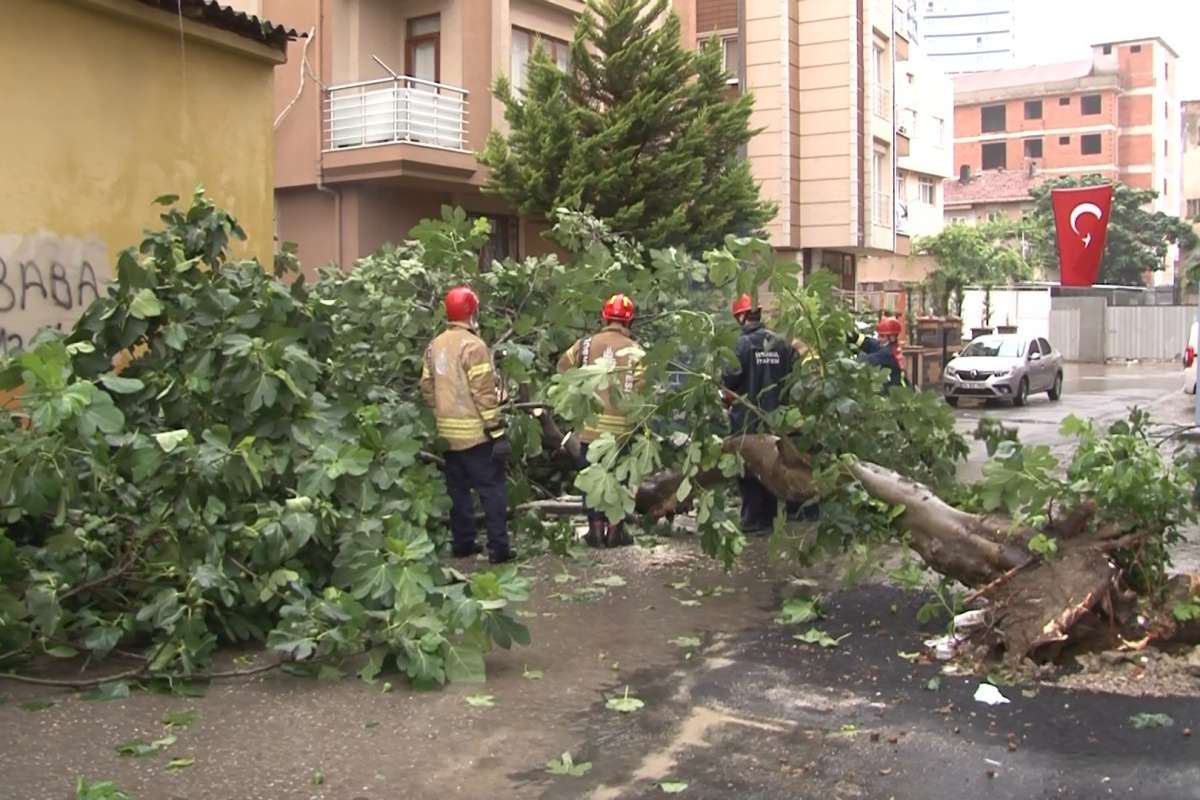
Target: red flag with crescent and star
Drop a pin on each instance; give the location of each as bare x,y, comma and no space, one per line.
1081,222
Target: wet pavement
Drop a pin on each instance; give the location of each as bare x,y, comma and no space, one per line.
748,711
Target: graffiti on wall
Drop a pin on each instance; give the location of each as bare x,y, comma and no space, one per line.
46,281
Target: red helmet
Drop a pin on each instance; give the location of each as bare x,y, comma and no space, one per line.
619,308
742,305
461,304
889,326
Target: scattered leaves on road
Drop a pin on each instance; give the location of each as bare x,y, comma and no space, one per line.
176,764
100,790
625,704
686,641
37,705
533,674
687,603
818,636
480,700
1145,720
934,683
114,690
140,748
565,765
179,719
318,777
673,787
612,581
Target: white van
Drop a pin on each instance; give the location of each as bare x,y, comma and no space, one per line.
1189,361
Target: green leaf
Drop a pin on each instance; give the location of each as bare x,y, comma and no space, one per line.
169,440
100,790
610,581
113,690
62,651
119,385
318,777
624,704
145,304
934,683
1146,720
481,700
37,705
166,200
818,636
685,641
140,748
176,764
672,787
565,765
464,664
533,674
800,609
179,719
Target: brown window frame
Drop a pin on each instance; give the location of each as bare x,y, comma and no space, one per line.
1033,106
984,127
550,43
991,147
1026,143
411,43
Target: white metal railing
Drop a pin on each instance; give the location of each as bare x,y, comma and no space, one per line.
883,209
393,110
883,102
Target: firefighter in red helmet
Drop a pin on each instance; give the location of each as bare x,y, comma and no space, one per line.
458,381
889,356
755,385
612,342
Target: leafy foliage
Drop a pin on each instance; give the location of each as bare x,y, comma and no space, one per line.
244,478
973,255
639,130
1138,239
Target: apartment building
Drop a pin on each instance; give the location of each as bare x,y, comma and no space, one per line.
382,107
968,35
822,76
1116,114
1191,160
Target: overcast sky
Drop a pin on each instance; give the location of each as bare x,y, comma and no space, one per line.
1064,30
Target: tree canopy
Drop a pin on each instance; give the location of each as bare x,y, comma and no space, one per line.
988,255
639,130
1138,239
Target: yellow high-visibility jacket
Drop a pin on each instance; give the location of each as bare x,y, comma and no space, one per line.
610,342
458,381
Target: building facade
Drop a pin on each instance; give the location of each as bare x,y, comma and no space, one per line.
380,112
1116,115
1191,160
968,35
822,73
120,102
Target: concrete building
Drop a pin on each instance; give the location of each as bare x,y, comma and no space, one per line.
1191,160
382,109
1116,114
822,73
968,35
119,102
989,197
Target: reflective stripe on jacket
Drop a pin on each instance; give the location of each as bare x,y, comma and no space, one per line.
458,382
609,343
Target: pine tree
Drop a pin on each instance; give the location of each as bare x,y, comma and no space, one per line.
639,129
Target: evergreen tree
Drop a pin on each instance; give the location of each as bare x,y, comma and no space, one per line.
639,129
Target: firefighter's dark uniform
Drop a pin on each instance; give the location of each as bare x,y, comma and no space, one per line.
458,382
885,357
764,361
613,342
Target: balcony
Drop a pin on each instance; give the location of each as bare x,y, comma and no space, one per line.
394,111
883,102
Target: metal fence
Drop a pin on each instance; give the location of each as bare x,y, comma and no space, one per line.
1065,331
1152,333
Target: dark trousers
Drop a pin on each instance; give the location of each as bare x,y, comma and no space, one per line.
592,514
475,469
759,506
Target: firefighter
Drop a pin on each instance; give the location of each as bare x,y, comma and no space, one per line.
753,386
860,341
889,355
612,342
458,381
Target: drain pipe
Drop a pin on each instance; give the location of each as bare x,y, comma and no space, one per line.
321,187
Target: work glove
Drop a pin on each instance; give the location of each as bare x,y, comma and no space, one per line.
502,450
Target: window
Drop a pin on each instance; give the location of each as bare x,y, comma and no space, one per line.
963,220
423,48
995,155
524,43
1166,190
731,60
992,118
1193,208
1046,348
1033,148
926,191
883,203
501,244
1089,144
1089,104
994,216
1137,48
939,129
995,347
1033,109
1166,146
1108,49
1064,140
1064,101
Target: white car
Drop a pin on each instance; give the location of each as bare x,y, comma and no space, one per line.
1189,361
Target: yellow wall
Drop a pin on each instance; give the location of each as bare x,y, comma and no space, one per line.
105,110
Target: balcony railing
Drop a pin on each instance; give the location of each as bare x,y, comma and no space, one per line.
394,110
883,102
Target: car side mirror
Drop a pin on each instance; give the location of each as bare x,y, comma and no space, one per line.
1035,356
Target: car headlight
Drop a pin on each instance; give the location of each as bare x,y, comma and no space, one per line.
1002,373
951,371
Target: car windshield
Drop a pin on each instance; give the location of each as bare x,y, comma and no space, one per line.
996,347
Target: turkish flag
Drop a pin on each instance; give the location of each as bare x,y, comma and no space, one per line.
1081,222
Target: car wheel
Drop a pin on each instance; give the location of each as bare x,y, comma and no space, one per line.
1022,393
952,400
1056,390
